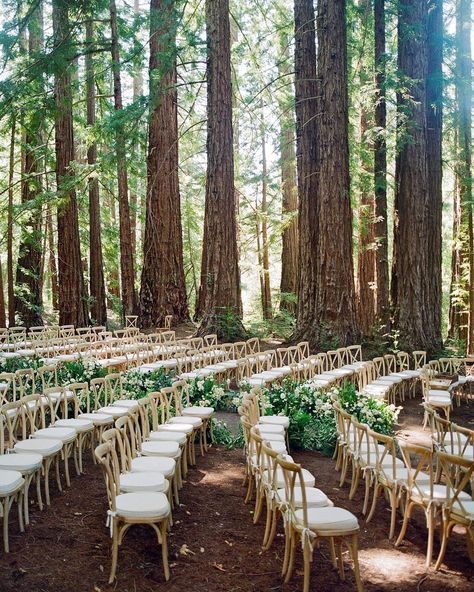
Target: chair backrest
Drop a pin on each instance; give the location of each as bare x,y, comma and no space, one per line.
13,424
390,363
333,359
343,357
384,448
24,383
113,387
403,361
48,376
293,479
7,385
210,339
239,350
104,454
287,355
419,359
131,321
98,393
419,463
354,353
458,475
379,366
252,346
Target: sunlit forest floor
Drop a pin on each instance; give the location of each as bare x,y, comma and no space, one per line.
214,545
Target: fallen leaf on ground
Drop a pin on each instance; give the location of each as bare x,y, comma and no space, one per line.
185,550
218,566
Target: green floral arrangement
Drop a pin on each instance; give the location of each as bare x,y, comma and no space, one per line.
207,392
80,370
137,384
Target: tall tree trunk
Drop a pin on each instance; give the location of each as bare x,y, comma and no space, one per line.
220,275
464,169
434,204
136,151
265,269
97,282
306,108
72,305
380,170
53,270
336,317
11,172
289,251
28,293
366,297
163,288
3,316
129,299
409,270
455,300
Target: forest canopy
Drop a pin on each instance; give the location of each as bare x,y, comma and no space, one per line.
298,169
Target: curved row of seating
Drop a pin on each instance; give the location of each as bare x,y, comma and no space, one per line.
288,491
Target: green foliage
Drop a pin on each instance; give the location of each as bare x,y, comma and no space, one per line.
19,363
81,370
222,435
138,385
207,392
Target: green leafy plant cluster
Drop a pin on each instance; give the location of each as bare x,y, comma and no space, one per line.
207,392
81,370
138,385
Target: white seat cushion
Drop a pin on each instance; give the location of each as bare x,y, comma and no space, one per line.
97,418
187,428
329,519
168,436
63,434
57,395
154,463
308,478
315,498
115,412
80,425
197,411
166,449
270,428
196,422
147,505
135,482
24,463
43,446
126,403
10,482
440,492
280,420
278,446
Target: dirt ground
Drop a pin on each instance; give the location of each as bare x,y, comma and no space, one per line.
67,547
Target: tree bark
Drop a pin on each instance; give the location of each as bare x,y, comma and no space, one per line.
465,237
306,108
129,299
72,305
434,204
410,259
53,270
10,284
219,292
96,263
163,288
265,268
289,251
28,292
336,317
380,170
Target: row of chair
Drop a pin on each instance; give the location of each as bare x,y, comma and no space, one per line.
431,479
288,491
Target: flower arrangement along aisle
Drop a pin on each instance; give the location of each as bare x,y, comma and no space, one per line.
311,412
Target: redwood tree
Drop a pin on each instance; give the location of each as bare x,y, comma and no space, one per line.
163,289
97,282
410,267
380,169
28,289
434,198
129,299
219,292
306,91
72,304
336,317
289,207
